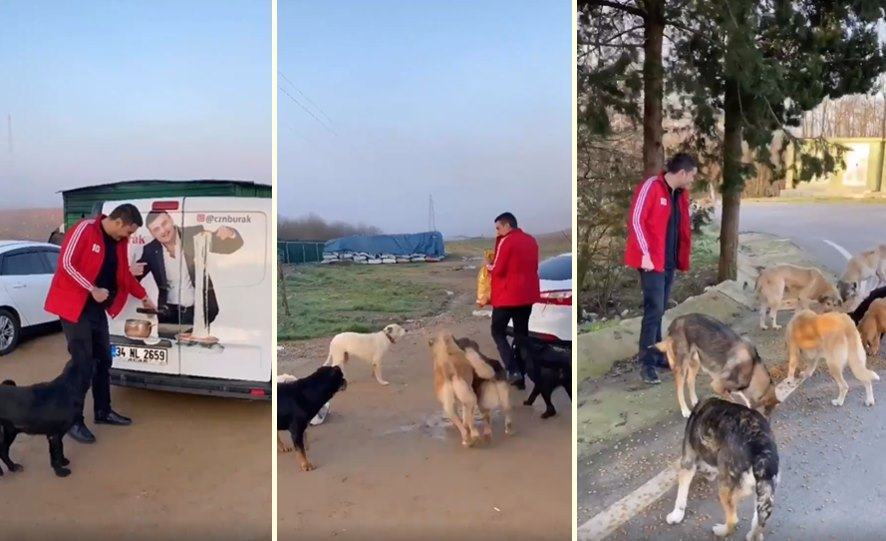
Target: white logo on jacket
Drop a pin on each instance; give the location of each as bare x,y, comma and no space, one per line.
96,248
664,201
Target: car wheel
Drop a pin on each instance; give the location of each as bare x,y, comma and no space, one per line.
10,331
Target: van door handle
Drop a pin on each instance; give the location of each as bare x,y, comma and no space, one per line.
19,286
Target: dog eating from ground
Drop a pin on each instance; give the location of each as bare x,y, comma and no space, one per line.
865,267
734,444
872,326
48,409
808,285
463,375
698,341
299,401
548,368
370,347
834,337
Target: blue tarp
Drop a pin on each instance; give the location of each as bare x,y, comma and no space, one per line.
429,244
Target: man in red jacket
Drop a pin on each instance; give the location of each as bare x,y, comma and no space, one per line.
515,289
93,278
659,241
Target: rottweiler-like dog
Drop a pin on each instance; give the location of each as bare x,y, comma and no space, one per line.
49,409
548,368
735,444
299,401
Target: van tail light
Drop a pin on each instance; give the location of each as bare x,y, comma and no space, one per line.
257,392
562,297
164,205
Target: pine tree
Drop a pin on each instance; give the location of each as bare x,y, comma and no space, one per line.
757,66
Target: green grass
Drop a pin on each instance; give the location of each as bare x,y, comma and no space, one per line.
549,244
328,299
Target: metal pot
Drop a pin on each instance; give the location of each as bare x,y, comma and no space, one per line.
137,328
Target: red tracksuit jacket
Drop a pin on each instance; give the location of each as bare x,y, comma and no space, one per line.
515,270
79,262
648,225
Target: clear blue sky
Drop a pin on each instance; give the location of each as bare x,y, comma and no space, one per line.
468,101
104,90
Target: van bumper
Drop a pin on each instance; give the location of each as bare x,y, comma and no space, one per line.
250,390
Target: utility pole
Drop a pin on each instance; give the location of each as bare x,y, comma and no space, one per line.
432,218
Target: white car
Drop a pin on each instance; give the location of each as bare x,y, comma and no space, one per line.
26,270
551,319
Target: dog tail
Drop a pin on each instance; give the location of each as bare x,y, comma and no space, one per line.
765,501
858,358
664,345
480,366
8,382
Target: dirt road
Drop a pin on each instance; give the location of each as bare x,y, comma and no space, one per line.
189,466
389,467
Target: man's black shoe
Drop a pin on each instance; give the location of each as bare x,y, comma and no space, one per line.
80,433
649,375
112,418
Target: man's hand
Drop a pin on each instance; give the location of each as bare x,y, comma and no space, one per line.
148,304
224,233
646,264
100,294
489,267
137,269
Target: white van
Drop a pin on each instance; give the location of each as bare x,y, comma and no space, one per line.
207,263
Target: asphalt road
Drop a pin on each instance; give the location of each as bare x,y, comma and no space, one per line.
854,226
833,476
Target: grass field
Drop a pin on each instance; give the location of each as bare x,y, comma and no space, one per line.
328,299
550,244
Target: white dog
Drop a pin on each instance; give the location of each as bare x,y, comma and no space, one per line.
369,347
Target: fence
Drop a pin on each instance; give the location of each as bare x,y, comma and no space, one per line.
297,252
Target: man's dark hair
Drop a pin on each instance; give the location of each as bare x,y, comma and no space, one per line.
153,215
507,218
681,161
128,214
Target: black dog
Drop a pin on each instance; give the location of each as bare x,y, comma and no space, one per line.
548,368
859,312
49,408
299,401
735,444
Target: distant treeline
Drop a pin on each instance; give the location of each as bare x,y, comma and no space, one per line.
313,227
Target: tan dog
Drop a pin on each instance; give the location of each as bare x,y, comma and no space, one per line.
807,284
370,347
866,266
700,342
463,375
834,337
872,326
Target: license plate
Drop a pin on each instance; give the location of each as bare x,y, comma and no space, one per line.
134,354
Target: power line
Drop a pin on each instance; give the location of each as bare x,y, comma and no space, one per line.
305,96
315,117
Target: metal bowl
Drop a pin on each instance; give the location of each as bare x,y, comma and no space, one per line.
137,328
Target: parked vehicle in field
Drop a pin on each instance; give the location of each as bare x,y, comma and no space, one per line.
551,319
204,255
26,270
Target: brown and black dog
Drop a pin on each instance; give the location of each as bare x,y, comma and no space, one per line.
699,341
